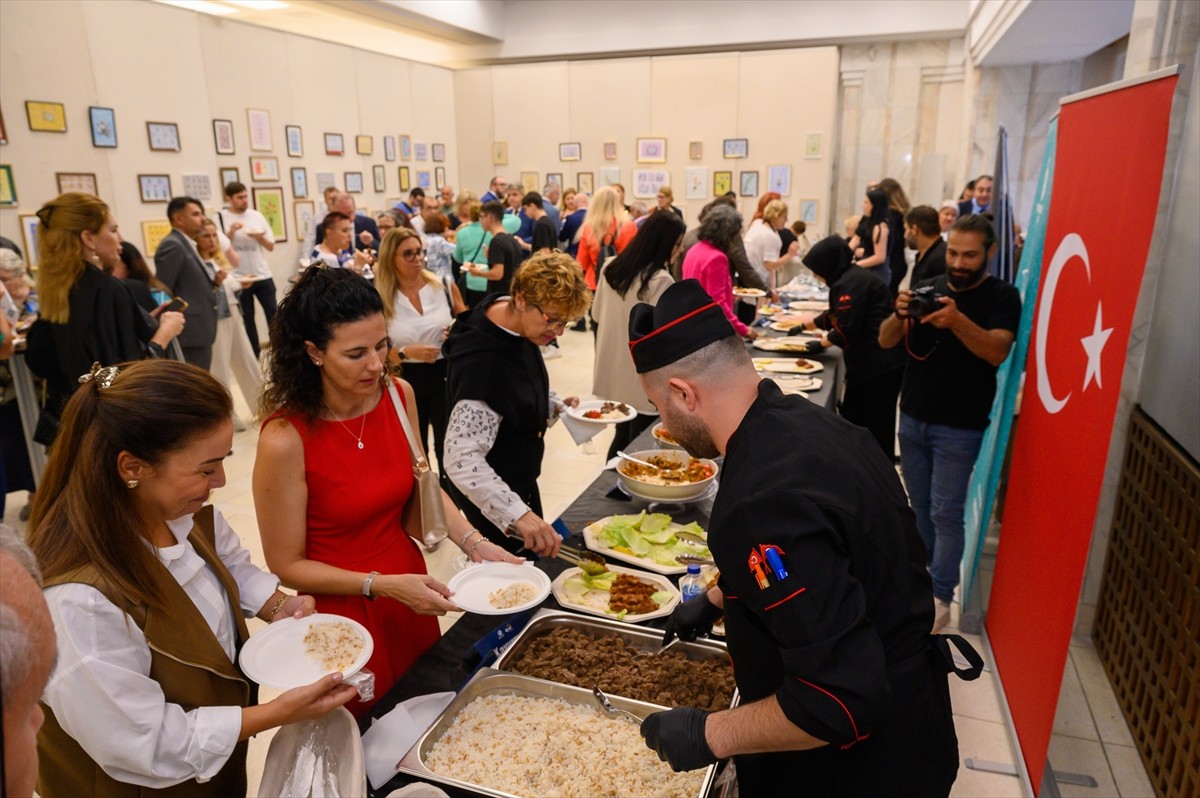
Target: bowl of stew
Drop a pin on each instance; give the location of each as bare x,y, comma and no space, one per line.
676,475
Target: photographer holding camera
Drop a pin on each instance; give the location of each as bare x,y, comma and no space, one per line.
957,329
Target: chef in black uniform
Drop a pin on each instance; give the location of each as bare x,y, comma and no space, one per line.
823,584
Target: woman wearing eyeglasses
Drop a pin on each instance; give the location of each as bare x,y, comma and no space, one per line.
419,307
500,400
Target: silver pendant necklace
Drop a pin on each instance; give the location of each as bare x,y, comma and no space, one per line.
362,429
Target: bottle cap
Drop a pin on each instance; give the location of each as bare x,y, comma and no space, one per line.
693,569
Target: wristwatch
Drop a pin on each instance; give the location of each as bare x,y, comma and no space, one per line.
400,354
366,588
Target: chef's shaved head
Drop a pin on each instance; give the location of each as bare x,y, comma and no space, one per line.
710,365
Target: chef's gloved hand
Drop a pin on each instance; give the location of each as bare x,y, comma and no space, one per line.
677,736
797,331
692,618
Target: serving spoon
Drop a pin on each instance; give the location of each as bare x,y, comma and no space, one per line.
633,459
607,706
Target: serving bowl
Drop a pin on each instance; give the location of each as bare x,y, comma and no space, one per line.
646,489
657,430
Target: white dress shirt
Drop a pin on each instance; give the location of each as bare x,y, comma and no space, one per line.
427,327
101,691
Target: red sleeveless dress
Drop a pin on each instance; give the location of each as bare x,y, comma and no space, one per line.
355,500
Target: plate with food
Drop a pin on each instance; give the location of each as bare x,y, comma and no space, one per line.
809,304
602,411
625,594
250,278
786,325
749,293
294,652
663,438
669,475
770,310
499,588
798,343
649,540
787,365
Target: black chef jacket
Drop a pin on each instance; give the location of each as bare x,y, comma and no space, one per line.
842,641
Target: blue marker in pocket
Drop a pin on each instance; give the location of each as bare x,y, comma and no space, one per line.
776,564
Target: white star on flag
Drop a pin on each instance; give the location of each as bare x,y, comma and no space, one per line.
1094,344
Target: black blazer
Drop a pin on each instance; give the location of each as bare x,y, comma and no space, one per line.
180,269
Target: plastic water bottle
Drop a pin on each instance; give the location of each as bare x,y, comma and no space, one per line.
691,584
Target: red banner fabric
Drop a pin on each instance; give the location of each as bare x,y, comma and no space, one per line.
1107,178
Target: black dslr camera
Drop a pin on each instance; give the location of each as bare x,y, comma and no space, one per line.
924,300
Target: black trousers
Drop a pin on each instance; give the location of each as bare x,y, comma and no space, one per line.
626,431
198,355
428,381
264,290
871,403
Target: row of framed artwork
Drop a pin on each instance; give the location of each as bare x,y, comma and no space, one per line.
646,183
654,150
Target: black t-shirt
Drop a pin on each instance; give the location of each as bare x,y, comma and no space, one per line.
786,237
545,234
944,383
932,265
503,249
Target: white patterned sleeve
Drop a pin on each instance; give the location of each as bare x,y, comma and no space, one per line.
470,434
557,407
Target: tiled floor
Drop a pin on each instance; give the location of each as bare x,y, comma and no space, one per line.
1090,735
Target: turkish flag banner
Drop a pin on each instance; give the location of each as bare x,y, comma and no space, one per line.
1107,179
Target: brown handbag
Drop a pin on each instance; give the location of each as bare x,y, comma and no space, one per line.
428,493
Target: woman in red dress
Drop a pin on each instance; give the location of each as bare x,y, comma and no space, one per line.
333,474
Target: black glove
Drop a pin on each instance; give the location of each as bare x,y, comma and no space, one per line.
691,619
815,347
799,330
677,736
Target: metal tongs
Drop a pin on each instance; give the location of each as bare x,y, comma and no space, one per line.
589,562
691,559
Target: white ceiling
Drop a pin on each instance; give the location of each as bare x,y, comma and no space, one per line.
1040,31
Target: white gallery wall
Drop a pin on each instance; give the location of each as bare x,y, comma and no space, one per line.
771,98
151,62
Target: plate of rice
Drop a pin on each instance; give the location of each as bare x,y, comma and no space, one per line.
294,652
499,588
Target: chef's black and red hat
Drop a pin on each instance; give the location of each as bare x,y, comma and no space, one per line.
685,320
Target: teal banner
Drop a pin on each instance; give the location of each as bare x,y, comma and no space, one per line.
981,493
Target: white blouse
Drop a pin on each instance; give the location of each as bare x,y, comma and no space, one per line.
101,691
407,326
762,244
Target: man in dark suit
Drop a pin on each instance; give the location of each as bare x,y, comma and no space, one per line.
366,232
179,267
981,201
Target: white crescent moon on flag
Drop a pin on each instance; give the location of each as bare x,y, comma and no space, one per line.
1071,246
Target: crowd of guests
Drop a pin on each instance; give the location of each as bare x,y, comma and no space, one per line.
466,296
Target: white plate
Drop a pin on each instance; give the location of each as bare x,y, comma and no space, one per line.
787,365
596,404
797,343
809,304
591,536
785,326
749,292
660,581
275,656
250,278
472,586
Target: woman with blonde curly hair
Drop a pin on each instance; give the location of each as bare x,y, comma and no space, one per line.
87,316
501,403
333,475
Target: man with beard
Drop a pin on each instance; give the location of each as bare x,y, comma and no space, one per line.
949,383
823,582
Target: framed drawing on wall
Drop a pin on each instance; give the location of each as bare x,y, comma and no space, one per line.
29,229
389,148
424,180
610,150
735,148
722,183
405,180
610,175
259,122
439,153
808,210
103,122
812,145
554,177
269,202
695,150
421,151
155,188
695,183
198,186
585,182
46,117
499,153
652,151
405,147
295,142
439,177
299,182
748,184
779,179
570,151
364,145
304,212
223,136
8,189
325,180
335,144
229,174
648,182
164,136
354,182
153,232
83,182
380,176
264,168
529,181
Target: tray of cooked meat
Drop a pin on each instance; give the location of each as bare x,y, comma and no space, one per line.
621,660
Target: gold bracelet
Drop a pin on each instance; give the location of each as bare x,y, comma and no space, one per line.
283,597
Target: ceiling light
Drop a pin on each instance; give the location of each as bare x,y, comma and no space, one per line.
203,6
258,5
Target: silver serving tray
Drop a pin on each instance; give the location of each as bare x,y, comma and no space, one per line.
639,637
487,681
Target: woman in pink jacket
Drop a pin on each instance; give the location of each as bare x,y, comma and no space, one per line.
708,261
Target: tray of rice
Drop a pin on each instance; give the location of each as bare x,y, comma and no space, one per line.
515,737
621,660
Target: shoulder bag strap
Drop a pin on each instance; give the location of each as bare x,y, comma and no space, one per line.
420,464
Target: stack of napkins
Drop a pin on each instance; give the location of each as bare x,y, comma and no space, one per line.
390,737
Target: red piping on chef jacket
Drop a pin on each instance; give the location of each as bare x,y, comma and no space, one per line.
853,725
782,600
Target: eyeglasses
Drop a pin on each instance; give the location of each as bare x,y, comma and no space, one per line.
412,254
553,323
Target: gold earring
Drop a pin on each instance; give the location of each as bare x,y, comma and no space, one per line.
131,484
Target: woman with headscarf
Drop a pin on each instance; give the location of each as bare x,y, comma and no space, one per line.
870,242
858,304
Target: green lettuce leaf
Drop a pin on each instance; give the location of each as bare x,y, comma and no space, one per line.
661,597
